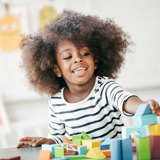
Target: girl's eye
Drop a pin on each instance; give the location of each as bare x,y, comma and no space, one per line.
86,54
67,57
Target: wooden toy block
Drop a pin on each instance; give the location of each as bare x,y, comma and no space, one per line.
154,130
116,149
77,157
104,147
155,146
59,152
72,147
12,158
143,109
139,131
95,153
107,153
84,136
76,139
91,143
45,155
66,140
133,146
70,153
50,147
143,148
82,150
106,142
145,120
127,149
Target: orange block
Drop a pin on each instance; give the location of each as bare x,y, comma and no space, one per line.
154,130
107,153
45,155
66,140
75,146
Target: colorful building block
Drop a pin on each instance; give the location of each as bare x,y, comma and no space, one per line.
127,149
154,130
45,155
59,152
143,148
143,109
91,143
82,150
116,149
78,157
95,153
49,147
76,139
155,147
66,140
84,136
70,153
144,120
104,147
138,131
107,153
106,142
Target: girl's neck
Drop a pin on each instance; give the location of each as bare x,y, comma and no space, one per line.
78,93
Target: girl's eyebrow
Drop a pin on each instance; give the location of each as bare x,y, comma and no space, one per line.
64,50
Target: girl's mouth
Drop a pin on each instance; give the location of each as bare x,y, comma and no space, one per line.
80,71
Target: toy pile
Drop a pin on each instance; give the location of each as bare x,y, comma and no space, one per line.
146,140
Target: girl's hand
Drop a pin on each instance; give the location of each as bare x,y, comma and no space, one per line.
34,141
154,106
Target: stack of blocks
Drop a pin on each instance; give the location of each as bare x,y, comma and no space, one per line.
147,135
147,138
81,147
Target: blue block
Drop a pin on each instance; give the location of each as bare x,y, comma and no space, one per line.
104,147
138,131
145,120
82,150
106,142
127,149
116,149
143,109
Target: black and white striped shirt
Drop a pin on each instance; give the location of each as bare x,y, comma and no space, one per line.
98,115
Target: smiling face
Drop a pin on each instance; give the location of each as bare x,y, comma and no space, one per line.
75,65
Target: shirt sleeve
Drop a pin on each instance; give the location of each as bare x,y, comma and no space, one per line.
117,96
56,129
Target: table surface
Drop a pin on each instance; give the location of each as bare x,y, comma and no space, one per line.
27,153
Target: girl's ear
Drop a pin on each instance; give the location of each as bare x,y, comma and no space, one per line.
57,70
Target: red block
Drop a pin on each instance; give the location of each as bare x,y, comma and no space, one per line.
12,158
155,146
133,147
68,153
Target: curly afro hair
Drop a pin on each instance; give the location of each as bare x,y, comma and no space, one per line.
104,38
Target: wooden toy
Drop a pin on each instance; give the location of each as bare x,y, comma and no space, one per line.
59,152
50,147
70,153
116,149
139,131
82,150
155,146
144,120
66,140
77,157
12,158
45,155
95,153
143,148
107,153
76,139
84,136
104,147
127,149
91,143
154,130
143,109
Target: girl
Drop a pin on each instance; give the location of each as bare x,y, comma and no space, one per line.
74,60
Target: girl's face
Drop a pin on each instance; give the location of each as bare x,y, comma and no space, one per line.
76,66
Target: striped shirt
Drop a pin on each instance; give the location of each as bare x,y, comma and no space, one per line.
98,115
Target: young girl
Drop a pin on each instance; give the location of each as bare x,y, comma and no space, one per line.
74,60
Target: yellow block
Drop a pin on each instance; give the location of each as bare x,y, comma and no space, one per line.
95,153
91,143
154,130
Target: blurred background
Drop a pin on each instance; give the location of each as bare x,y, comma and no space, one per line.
24,112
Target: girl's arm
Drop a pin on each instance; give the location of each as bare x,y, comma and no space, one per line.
133,103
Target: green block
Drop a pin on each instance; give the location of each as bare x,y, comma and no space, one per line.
143,148
76,139
84,136
77,157
59,152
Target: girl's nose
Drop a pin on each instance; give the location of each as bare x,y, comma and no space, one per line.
78,59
